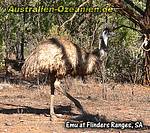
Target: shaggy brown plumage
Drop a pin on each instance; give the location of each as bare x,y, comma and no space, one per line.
58,58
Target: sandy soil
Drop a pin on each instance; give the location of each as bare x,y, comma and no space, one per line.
24,109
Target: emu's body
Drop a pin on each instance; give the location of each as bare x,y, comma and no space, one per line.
58,58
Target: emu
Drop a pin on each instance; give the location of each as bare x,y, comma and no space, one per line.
57,58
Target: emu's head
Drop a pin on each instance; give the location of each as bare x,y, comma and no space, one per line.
103,43
104,38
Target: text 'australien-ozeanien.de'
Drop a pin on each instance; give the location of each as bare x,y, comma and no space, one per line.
59,9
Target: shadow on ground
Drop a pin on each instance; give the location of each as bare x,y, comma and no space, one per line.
30,110
64,110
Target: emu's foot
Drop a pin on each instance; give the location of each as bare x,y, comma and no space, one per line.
51,116
82,111
63,116
57,117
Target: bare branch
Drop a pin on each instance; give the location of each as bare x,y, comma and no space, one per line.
127,27
126,11
135,21
73,16
134,6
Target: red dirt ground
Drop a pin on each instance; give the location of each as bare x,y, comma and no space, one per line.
23,109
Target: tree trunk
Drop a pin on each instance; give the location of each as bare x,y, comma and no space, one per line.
146,23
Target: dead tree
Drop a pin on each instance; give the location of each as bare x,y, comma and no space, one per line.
58,58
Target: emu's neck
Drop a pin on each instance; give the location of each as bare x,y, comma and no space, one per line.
103,41
105,38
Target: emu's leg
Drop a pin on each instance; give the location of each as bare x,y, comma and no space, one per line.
76,102
52,96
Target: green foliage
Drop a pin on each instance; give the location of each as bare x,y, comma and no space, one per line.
124,59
